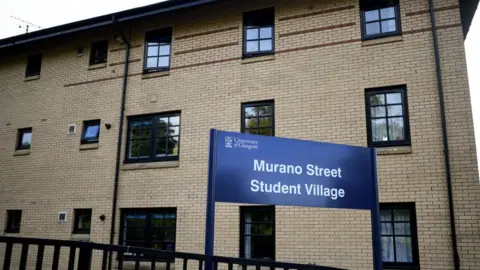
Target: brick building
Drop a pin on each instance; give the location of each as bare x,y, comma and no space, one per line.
84,146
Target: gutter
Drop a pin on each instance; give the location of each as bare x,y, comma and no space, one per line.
456,257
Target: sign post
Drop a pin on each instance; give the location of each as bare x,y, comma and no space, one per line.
245,168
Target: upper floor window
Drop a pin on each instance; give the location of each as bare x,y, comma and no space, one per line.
34,65
387,117
14,219
257,232
380,18
99,52
83,221
399,235
153,137
91,131
24,140
258,32
157,50
258,118
149,228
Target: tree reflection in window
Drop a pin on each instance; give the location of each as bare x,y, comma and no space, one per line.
258,118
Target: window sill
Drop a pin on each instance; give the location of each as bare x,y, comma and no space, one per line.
394,150
88,146
97,66
383,40
155,74
150,165
80,237
258,59
31,78
22,152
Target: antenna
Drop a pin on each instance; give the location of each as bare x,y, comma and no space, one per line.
25,24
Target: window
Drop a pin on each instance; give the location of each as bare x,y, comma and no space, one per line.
14,219
153,138
24,140
258,32
399,235
387,117
257,232
380,18
258,118
83,221
149,228
34,65
91,131
157,50
99,52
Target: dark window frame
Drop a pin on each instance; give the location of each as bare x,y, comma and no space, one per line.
20,133
97,45
260,208
152,155
372,6
410,206
31,69
165,37
148,228
245,25
406,122
77,213
257,104
87,124
10,215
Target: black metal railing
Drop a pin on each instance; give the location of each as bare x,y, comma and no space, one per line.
135,255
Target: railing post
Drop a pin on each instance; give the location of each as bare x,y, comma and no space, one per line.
85,258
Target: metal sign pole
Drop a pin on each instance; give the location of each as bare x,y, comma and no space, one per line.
375,212
210,220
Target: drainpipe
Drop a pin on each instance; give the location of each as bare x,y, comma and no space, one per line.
456,257
119,145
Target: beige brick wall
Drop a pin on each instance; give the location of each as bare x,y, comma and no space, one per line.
317,80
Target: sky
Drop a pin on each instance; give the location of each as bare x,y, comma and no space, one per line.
48,13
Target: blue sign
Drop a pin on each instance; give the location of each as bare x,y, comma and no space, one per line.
277,171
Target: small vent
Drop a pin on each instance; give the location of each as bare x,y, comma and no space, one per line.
80,51
62,217
72,128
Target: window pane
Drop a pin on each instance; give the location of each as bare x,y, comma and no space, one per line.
379,130
27,139
385,215
387,13
173,146
133,151
251,131
252,46
265,131
372,28
378,111
404,249
161,147
395,110
173,131
265,110
387,249
371,15
152,43
169,234
170,220
395,129
144,150
136,234
259,216
174,120
165,50
262,229
92,132
402,228
162,132
266,45
401,215
266,32
152,62
387,228
164,61
262,247
265,122
163,121
251,111
146,133
252,33
251,122
152,51
389,26
377,99
157,220
135,220
394,98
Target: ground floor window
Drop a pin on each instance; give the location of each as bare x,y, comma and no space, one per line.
150,228
257,232
399,235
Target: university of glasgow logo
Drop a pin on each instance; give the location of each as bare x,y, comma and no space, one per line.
228,142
